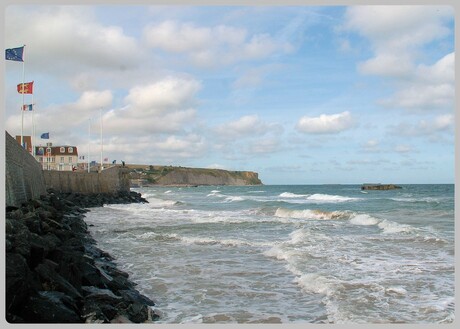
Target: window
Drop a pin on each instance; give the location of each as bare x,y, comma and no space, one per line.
48,150
62,159
70,149
62,149
70,159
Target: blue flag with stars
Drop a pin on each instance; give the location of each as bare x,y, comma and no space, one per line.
14,54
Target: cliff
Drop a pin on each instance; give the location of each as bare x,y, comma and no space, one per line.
181,176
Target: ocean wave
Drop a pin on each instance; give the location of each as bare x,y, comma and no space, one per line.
363,219
389,227
311,214
330,198
233,199
160,203
420,200
316,283
293,195
215,193
211,241
315,198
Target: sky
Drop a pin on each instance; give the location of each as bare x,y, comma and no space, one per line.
300,94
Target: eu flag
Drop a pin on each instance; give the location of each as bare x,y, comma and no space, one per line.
14,54
45,136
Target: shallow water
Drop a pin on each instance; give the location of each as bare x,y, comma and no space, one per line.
288,254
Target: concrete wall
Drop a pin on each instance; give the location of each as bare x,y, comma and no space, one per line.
23,174
110,180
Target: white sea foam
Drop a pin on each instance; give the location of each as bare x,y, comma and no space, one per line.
390,227
233,199
159,203
147,235
215,193
315,283
280,253
363,219
413,200
311,214
292,195
211,241
396,290
330,198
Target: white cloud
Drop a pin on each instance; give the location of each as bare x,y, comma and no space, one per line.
246,126
434,126
254,76
423,97
396,29
216,166
169,93
403,148
325,124
371,145
263,146
443,71
156,150
63,119
433,87
162,106
63,38
211,46
398,35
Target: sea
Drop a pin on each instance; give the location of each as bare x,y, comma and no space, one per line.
287,253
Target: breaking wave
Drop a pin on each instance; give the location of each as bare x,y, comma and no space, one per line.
311,214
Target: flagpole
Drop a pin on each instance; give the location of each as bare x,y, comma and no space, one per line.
32,138
102,144
22,109
89,140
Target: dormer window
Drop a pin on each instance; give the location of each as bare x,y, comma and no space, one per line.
62,149
70,149
48,150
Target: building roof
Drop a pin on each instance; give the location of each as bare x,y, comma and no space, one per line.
57,150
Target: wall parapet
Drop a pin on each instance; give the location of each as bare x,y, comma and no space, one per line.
23,174
111,180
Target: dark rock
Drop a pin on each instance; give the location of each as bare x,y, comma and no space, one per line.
18,278
11,208
51,307
105,295
135,297
52,281
92,312
138,313
54,271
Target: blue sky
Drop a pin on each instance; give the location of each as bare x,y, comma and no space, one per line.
300,94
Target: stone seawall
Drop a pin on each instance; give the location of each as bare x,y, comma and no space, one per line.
23,174
110,180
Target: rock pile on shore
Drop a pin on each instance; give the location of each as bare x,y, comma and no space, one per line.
56,274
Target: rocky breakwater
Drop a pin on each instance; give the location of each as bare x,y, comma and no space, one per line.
56,274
